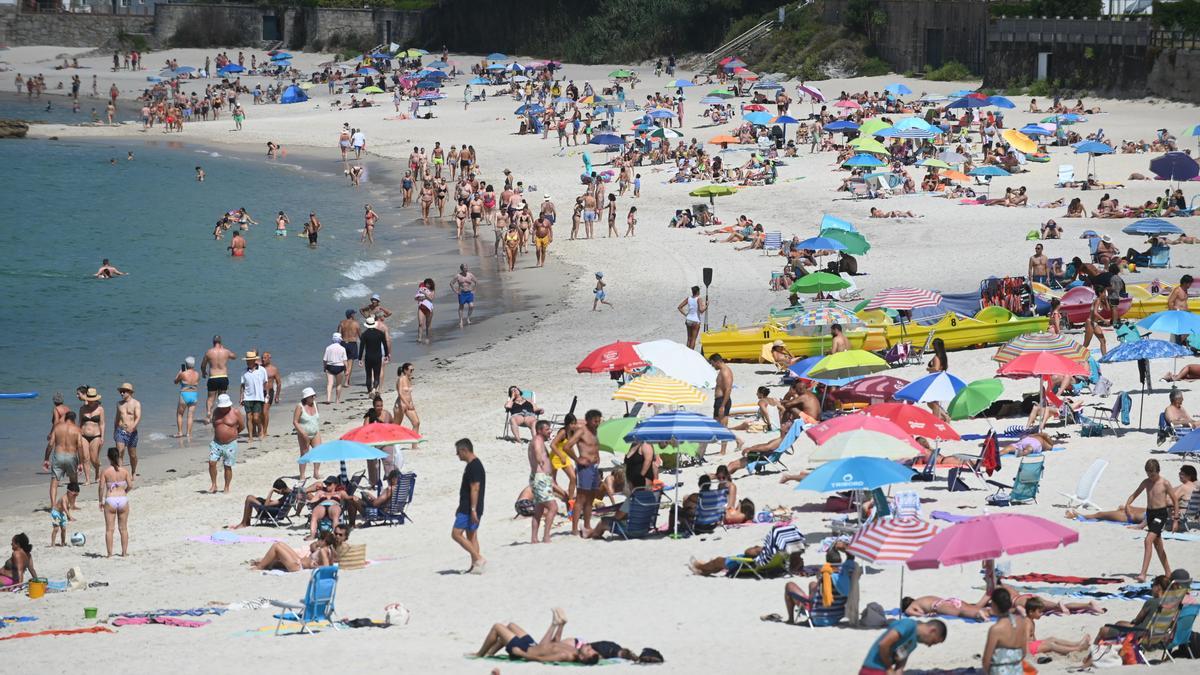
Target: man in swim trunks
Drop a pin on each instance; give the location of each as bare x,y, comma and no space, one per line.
463,284
545,506
543,234
237,245
589,214
1039,265
722,396
350,330
125,424
1135,516
254,394
553,648
69,453
227,423
274,390
584,450
1159,496
214,366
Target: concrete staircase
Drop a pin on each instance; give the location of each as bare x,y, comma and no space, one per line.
759,30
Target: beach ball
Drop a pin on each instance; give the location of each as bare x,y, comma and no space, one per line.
78,539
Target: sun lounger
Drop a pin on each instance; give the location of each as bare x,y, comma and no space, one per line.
1024,488
772,242
317,604
1066,175
1087,486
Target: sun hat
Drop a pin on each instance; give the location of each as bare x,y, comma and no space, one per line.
91,394
337,337
125,386
370,322
307,392
599,275
546,197
1106,239
223,401
375,296
190,360
251,356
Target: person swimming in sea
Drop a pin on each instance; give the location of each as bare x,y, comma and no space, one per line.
108,271
237,245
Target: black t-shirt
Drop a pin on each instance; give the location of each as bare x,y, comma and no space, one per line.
373,344
473,473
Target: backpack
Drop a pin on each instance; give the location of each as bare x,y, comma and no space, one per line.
873,616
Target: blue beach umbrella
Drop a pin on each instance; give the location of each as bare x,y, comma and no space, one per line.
856,473
1189,444
841,125
1000,102
1035,130
897,89
821,244
1151,227
912,123
564,99
436,75
961,92
864,160
679,426
1175,166
367,71
1145,349
1093,148
380,55
231,68
496,56
496,66
281,56
1192,130
528,108
758,117
515,67
341,451
994,171
660,113
431,96
968,102
933,387
785,120
480,80
681,83
829,222
1173,321
606,139
438,64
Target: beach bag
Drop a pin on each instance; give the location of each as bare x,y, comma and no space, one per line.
1032,235
396,614
873,616
1105,655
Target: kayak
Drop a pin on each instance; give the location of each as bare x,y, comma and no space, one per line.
23,394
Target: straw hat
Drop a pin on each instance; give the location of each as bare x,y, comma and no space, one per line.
251,356
91,394
125,386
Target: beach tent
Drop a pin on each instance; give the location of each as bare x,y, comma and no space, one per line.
293,94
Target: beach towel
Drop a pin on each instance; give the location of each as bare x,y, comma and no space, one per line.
1134,591
949,517
231,538
199,611
163,620
1063,579
1139,534
504,657
62,631
5,620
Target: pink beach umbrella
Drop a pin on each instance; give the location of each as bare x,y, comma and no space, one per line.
900,298
844,424
813,93
873,389
847,103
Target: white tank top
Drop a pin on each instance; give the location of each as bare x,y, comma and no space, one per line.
693,312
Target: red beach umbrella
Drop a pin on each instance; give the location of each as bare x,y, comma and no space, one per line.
1042,363
380,434
915,420
618,356
856,422
891,540
872,389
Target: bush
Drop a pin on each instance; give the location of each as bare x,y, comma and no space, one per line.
1181,15
1038,88
951,71
874,66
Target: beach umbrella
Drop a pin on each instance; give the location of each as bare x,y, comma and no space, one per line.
437,64
721,93
675,360
908,123
939,387
606,139
660,389
820,244
865,443
868,144
665,132
1068,118
784,120
479,80
341,451
933,163
1175,166
681,83
371,90
1152,227
1000,102
496,66
848,103
660,113
951,157
900,298
379,433
281,56
813,93
1188,444
431,96
1093,148
915,420
496,56
850,363
436,75
1043,363
758,118
841,125
872,389
843,424
897,89
990,171
818,282
231,68
767,84
1019,140
855,473
829,222
855,243
968,102
974,398
1171,321
825,315
530,108
892,132
1035,130
801,370
610,435
990,536
621,72
723,139
864,160
680,426
711,100
1061,344
712,192
1143,351
615,356
891,541
955,175
872,127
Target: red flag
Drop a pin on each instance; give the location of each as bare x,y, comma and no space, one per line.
991,454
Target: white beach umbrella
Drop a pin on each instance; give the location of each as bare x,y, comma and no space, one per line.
676,360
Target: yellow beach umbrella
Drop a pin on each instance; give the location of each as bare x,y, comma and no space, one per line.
850,363
1019,140
660,389
868,144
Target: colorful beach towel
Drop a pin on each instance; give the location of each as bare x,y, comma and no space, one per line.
162,620
154,614
949,517
62,631
1061,579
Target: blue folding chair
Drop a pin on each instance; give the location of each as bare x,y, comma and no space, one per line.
317,604
642,517
1183,631
776,455
393,513
710,513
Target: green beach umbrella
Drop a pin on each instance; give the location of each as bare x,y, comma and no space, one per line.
868,144
872,127
372,90
818,282
621,72
933,163
611,437
974,398
855,243
712,191
723,93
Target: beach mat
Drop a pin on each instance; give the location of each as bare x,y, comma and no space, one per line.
506,659
62,631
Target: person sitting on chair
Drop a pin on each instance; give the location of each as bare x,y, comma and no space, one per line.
255,504
522,413
380,501
1176,414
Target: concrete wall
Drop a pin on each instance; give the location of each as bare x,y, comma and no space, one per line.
68,30
210,25
920,33
1176,75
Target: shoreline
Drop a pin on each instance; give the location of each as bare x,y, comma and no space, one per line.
524,305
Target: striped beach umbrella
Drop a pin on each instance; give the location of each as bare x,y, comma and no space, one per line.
826,316
899,298
1042,363
891,540
679,426
939,387
873,389
660,389
1060,344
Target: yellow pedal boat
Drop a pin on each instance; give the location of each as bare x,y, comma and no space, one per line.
745,344
990,325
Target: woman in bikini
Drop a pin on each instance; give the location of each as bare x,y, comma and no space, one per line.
20,562
442,189
932,605
426,199
91,427
1092,326
405,408
424,297
940,363
283,557
115,484
460,217
512,240
369,220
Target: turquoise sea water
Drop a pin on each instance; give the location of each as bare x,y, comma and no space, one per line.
67,207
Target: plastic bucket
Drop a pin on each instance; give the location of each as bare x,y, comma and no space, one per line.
89,612
37,588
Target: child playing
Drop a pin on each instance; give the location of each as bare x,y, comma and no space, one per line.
58,521
631,220
1034,611
637,185
599,292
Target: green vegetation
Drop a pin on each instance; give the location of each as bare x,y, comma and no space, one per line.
951,71
1182,15
132,41
1063,8
356,4
805,47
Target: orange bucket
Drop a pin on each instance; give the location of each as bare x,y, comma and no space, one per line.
37,588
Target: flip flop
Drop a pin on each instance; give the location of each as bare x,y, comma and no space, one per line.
774,618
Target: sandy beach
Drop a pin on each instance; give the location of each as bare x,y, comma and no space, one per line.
638,593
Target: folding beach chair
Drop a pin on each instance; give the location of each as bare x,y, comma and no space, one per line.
642,518
928,472
393,513
1025,485
778,545
1159,633
1190,519
1159,256
280,514
710,513
772,242
916,356
317,604
530,396
1112,416
762,462
1168,431
1183,631
850,293
1066,174
556,419
1086,487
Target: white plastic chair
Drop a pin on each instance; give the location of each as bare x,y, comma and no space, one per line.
1087,486
1066,174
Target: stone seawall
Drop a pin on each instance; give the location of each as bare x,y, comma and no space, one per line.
69,30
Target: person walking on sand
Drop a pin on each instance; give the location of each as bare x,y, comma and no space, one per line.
545,507
350,331
612,216
115,484
125,424
306,420
424,297
274,391
215,367
1158,495
335,361
66,452
723,392
188,380
369,220
584,449
227,423
599,293
543,234
254,395
463,285
470,505
405,408
692,308
373,355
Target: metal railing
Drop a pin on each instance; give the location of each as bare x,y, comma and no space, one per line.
740,42
1174,39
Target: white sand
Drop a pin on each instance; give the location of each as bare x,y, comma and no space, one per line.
637,593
